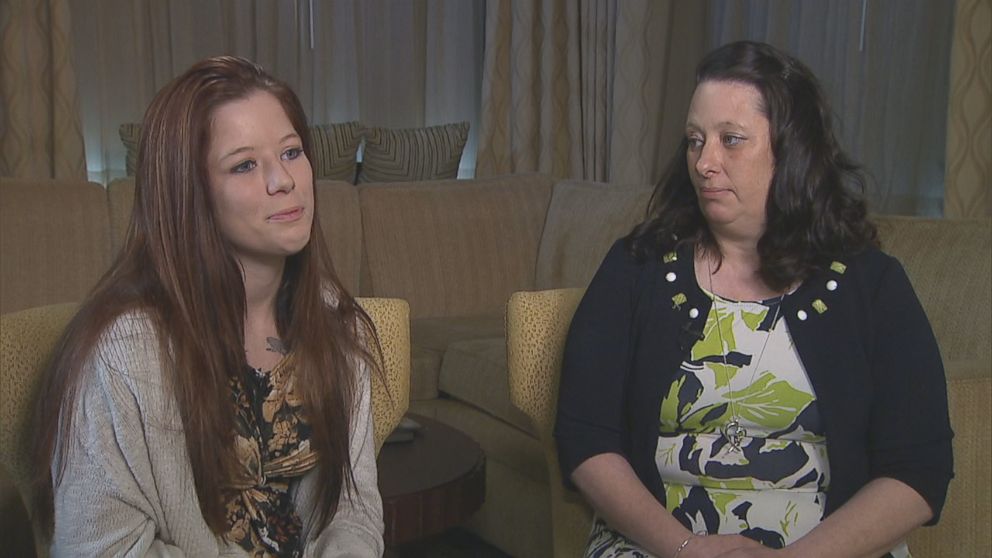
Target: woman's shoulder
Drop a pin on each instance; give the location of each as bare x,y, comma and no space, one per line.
622,255
129,346
874,264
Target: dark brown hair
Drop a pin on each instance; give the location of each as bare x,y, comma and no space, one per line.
815,212
177,268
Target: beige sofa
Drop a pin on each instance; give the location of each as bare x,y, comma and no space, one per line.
454,249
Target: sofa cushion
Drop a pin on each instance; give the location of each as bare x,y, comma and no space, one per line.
475,372
120,198
584,219
501,441
943,258
402,155
55,241
425,366
456,247
341,222
430,338
516,515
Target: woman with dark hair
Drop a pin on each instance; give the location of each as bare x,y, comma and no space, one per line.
747,364
212,395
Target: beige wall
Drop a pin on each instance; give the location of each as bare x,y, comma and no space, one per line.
968,190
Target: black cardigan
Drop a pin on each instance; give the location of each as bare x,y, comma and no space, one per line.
871,357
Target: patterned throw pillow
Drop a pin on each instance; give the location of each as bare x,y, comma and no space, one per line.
130,133
335,149
413,154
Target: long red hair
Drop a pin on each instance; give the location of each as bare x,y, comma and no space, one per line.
176,267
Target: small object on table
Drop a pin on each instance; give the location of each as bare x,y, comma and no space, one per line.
404,432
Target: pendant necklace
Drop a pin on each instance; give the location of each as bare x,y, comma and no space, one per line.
733,432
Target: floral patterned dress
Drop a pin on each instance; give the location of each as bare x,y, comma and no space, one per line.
773,488
273,446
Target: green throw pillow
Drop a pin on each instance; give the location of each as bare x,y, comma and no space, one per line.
401,155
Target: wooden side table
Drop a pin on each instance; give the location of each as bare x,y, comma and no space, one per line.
431,483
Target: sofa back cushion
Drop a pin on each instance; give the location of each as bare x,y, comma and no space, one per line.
337,207
341,221
453,247
54,241
949,262
120,201
584,220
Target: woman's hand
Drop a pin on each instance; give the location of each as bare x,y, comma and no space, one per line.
724,546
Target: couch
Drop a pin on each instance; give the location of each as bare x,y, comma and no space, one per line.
454,249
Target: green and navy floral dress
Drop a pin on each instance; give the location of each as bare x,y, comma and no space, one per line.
273,446
773,488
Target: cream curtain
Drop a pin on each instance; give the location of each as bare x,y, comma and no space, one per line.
397,64
40,133
969,120
593,89
884,67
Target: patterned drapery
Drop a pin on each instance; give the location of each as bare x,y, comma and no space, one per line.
40,132
595,89
883,67
385,63
968,183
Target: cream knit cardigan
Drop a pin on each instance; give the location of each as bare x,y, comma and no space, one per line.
128,488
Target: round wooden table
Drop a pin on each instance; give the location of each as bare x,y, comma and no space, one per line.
431,483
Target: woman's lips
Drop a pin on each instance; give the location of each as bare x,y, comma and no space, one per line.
291,214
712,192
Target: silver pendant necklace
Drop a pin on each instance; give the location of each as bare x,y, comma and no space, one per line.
733,432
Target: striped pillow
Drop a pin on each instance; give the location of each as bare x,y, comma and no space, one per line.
334,146
335,150
413,154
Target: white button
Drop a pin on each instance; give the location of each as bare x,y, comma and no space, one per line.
670,276
801,315
693,313
831,285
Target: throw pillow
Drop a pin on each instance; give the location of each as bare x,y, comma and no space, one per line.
335,150
130,133
413,154
334,146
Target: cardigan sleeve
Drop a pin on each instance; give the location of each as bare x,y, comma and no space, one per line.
910,433
123,470
356,530
591,417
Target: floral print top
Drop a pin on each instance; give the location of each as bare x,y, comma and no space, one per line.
773,487
273,446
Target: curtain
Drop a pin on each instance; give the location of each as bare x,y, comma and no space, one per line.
593,89
40,133
884,67
394,64
969,119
